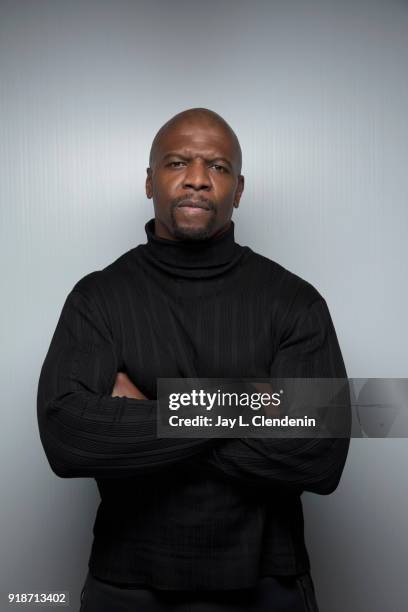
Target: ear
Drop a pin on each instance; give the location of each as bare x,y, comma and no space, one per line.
149,186
239,190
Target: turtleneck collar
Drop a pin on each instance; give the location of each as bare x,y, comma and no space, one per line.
200,258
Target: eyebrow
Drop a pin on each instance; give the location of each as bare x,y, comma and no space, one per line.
183,157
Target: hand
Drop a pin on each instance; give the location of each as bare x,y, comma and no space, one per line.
124,387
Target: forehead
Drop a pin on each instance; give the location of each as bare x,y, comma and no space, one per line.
195,138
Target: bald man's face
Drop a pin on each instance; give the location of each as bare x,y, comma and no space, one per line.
194,180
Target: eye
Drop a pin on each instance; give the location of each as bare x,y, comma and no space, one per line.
173,164
220,168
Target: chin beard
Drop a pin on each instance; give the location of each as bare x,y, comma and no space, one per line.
192,233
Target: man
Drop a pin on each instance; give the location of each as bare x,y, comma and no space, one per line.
189,524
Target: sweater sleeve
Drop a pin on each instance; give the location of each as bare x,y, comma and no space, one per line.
309,350
85,431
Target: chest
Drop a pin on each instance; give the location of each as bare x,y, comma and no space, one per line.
224,335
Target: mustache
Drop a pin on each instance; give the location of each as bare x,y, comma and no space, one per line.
208,202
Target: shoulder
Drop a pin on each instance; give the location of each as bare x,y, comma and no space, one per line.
297,308
288,292
101,282
100,291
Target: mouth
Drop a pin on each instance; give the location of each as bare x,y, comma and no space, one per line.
193,205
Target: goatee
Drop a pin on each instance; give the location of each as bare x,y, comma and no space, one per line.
182,232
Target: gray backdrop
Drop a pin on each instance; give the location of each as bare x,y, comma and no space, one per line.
317,93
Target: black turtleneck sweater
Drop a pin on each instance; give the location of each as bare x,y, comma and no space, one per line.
187,513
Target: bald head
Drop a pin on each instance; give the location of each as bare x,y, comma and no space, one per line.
202,117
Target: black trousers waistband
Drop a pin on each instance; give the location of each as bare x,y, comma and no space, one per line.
272,594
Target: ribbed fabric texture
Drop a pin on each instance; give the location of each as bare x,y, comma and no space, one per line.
187,513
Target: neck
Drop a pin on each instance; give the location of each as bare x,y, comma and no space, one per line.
193,258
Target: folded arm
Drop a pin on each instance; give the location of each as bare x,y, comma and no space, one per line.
85,431
308,350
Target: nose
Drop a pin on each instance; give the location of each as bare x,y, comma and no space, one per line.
197,176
